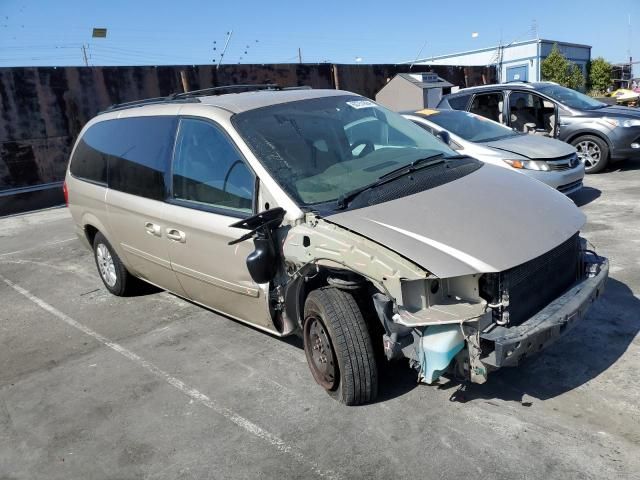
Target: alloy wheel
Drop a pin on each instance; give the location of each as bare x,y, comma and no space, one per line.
105,265
589,153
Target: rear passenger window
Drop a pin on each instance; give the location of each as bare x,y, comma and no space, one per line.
129,154
459,103
140,153
209,170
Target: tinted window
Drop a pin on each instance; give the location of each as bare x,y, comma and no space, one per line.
459,103
209,170
140,151
89,160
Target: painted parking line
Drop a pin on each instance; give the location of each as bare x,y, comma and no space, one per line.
240,421
44,245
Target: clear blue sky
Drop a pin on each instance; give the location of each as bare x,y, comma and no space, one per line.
51,32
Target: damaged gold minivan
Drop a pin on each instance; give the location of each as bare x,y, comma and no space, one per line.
322,214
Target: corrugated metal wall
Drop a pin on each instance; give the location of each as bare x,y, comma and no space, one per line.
44,108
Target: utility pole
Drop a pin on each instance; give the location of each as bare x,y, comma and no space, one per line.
299,55
84,55
226,44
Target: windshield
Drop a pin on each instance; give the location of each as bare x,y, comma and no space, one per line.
322,148
469,126
571,98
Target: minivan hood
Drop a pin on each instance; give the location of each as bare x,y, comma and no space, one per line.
532,146
488,221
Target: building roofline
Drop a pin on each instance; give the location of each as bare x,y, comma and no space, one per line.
489,49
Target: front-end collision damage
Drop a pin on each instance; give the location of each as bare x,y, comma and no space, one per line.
440,324
422,315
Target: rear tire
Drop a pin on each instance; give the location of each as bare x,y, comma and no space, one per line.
338,346
593,152
112,271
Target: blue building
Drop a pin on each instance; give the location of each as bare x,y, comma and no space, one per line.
517,61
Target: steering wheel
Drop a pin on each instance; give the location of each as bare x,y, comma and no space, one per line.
368,147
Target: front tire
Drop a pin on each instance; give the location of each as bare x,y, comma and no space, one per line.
593,152
112,271
338,346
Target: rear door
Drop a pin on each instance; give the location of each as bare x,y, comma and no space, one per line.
139,158
212,187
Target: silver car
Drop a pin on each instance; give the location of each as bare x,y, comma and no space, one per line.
320,213
551,161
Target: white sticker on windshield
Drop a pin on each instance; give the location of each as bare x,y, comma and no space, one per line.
361,104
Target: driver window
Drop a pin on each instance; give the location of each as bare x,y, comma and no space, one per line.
208,169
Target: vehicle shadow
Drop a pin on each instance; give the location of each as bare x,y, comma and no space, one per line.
625,166
585,195
142,289
585,352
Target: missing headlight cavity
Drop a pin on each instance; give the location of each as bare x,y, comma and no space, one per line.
306,241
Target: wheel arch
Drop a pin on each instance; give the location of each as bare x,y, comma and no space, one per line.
297,293
593,133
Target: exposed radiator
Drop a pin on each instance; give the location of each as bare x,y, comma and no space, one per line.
531,286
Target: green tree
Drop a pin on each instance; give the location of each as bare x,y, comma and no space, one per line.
576,77
556,68
600,75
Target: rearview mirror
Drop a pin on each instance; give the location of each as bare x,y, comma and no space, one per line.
445,137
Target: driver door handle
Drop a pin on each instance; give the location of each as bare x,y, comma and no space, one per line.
176,235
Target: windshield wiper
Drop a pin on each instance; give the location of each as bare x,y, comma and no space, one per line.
423,162
344,199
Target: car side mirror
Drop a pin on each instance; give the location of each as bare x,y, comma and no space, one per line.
262,263
445,137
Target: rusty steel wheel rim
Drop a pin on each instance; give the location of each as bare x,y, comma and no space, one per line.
320,354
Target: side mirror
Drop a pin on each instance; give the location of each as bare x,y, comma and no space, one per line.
445,137
262,263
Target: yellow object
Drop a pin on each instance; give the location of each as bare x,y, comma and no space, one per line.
427,111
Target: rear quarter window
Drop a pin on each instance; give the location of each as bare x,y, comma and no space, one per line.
131,155
89,160
460,102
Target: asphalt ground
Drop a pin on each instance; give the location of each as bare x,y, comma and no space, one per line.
94,386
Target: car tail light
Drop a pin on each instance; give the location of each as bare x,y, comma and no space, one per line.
65,191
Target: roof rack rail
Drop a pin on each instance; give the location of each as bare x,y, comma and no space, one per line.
146,101
224,88
191,97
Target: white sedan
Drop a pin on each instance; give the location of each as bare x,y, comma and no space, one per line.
551,161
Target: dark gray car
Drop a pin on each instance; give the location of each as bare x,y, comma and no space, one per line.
601,133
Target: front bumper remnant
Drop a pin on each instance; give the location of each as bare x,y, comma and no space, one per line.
512,344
